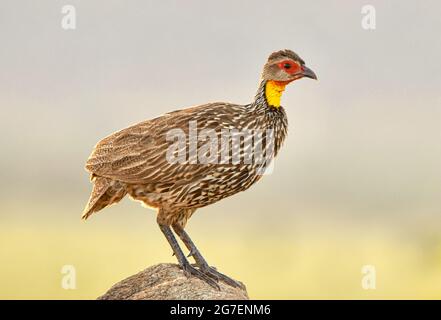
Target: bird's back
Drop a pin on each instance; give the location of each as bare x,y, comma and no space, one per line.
140,160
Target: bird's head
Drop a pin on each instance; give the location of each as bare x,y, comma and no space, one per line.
283,67
286,66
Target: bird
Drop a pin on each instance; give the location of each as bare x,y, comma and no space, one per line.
167,166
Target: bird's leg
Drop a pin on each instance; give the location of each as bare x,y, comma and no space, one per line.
183,262
200,261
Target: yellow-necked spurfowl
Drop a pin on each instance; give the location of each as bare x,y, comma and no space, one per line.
188,159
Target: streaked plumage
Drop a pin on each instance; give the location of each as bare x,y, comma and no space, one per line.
134,162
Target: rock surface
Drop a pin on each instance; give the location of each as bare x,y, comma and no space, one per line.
166,281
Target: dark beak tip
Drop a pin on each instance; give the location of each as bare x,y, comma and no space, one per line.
309,73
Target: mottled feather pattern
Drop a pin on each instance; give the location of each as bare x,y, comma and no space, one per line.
190,158
136,156
135,161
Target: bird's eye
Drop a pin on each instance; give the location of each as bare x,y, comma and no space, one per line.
288,66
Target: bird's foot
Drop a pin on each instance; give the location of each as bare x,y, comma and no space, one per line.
189,271
216,275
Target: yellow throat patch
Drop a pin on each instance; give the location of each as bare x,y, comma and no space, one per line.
273,92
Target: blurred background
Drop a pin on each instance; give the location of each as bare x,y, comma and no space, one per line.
357,183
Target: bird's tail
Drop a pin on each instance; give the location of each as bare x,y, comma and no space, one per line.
105,192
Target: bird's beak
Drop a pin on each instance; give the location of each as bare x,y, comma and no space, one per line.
308,73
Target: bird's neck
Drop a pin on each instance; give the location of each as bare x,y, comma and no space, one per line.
269,116
270,93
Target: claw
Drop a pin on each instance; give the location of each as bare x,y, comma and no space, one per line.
213,273
191,271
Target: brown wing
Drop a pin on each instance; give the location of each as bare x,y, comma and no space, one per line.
138,154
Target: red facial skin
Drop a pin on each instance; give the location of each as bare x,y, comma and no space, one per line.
289,66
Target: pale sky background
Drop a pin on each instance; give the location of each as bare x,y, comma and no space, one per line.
363,140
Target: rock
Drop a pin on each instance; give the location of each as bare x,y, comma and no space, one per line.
166,281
